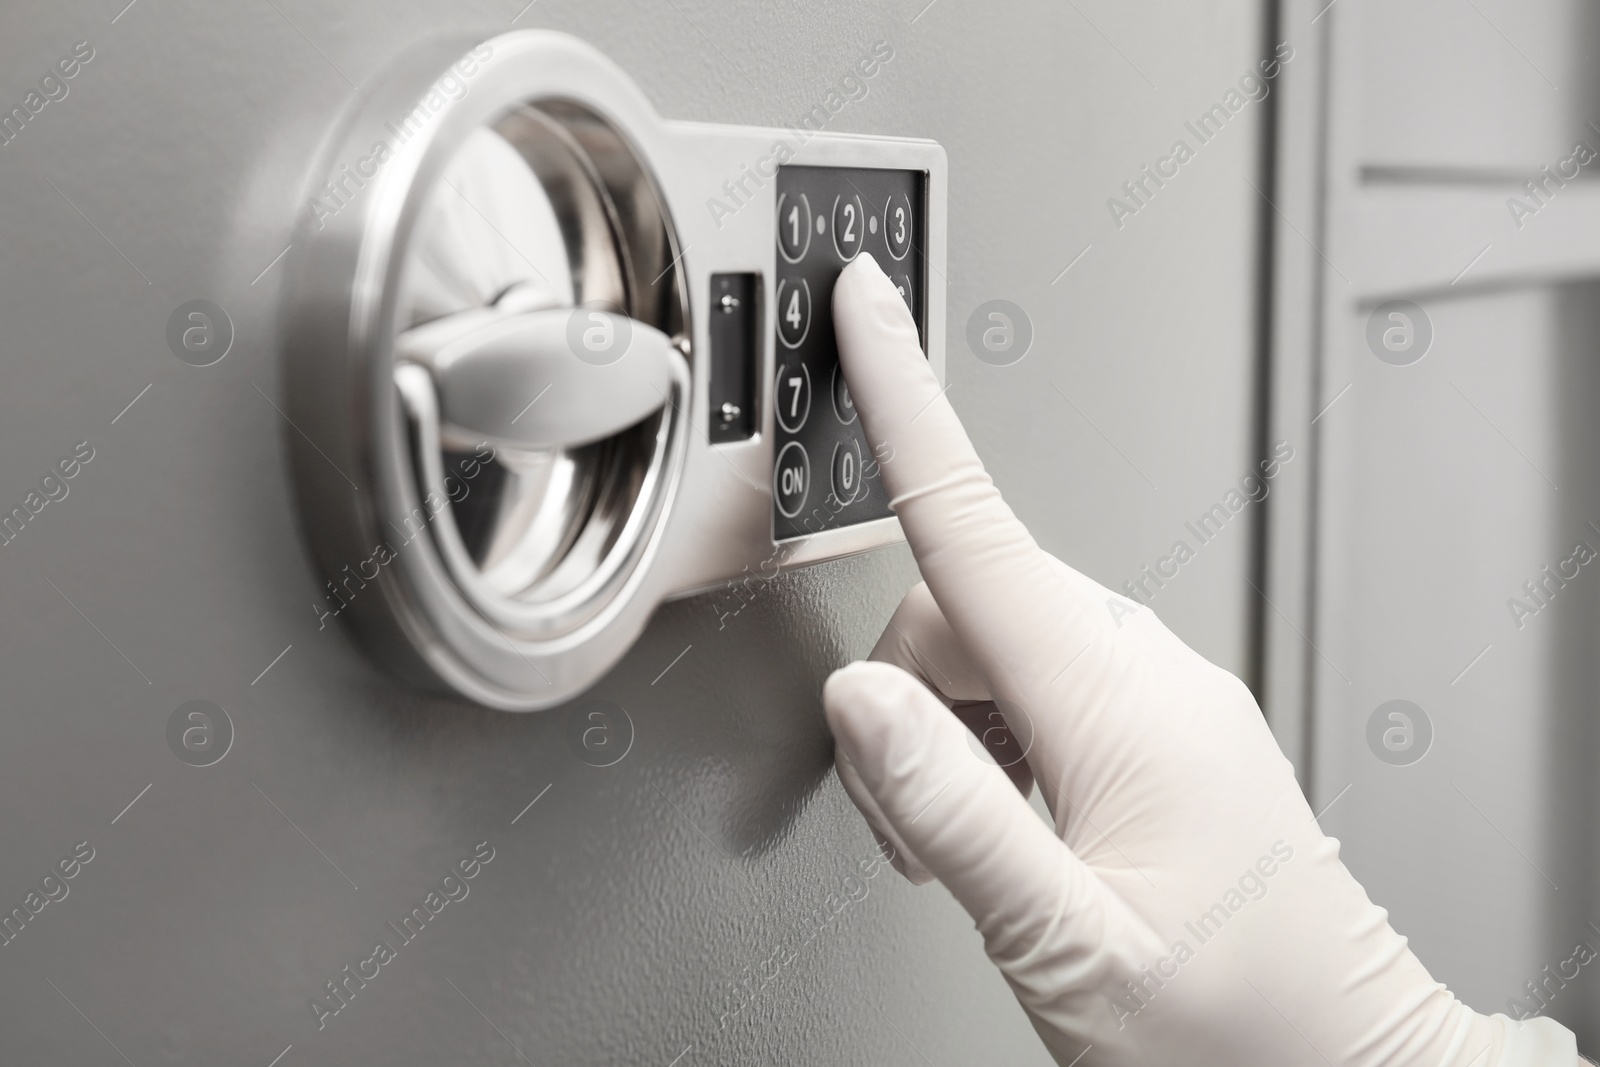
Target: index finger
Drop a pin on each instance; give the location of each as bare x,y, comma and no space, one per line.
1002,594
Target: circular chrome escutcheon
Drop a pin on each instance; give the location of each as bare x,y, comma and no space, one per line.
487,359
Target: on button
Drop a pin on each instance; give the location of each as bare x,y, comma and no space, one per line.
791,479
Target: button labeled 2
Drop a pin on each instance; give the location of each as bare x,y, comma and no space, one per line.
847,226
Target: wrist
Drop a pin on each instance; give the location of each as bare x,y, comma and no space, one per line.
1532,1043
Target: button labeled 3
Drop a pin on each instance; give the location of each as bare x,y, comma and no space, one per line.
897,225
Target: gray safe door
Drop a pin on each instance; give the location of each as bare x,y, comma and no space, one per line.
218,805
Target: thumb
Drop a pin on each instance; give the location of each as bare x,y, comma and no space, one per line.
963,819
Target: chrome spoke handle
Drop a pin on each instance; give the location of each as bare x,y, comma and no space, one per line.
552,378
419,398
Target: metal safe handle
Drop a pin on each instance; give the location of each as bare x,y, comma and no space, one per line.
549,378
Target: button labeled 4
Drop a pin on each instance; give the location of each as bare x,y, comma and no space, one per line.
794,311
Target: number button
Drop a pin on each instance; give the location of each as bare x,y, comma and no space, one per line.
791,395
848,226
844,406
902,285
791,479
794,226
897,225
794,311
846,472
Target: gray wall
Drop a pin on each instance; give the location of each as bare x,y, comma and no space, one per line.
1444,485
620,909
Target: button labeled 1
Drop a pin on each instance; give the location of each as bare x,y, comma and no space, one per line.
794,227
791,479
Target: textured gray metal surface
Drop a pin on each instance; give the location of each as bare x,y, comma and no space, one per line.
622,910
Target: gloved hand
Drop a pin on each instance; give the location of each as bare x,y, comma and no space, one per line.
1186,908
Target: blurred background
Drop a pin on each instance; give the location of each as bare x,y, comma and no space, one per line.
1376,262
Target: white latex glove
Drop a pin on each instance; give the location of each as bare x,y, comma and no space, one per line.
1187,908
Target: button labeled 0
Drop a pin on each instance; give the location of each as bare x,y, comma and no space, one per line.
847,472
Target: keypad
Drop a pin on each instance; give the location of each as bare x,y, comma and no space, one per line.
824,473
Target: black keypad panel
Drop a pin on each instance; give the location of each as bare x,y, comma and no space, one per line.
824,474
